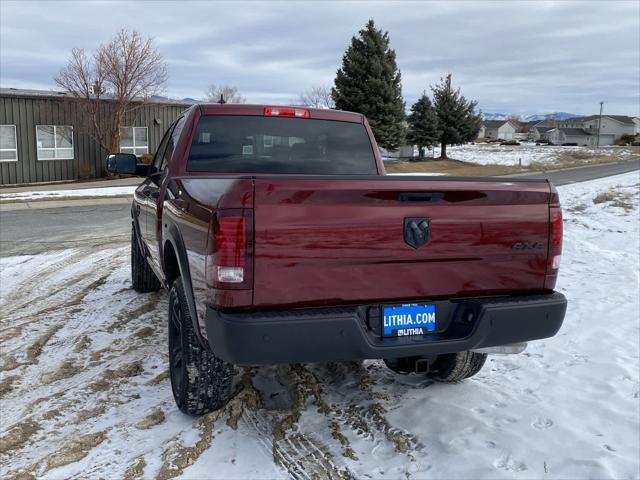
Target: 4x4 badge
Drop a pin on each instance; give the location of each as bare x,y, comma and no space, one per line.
416,231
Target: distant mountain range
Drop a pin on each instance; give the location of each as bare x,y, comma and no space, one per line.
547,116
530,118
486,116
161,99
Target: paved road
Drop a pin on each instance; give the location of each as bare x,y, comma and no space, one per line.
35,230
582,174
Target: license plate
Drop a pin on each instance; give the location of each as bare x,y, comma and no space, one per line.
406,320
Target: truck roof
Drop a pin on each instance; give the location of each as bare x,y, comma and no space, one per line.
258,110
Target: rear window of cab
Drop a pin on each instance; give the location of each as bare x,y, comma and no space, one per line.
280,145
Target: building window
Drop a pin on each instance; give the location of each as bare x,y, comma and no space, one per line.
8,144
134,140
54,142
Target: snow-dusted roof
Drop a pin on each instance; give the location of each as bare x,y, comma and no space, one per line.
494,123
574,131
25,92
619,118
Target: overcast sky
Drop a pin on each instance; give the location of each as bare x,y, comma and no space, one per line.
519,57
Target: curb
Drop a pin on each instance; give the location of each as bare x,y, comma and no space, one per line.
62,198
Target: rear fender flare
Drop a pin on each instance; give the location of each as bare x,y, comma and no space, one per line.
175,238
135,224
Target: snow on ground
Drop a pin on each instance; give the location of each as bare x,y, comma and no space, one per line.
85,392
56,194
525,153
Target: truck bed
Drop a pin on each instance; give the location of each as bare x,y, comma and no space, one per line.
321,241
335,240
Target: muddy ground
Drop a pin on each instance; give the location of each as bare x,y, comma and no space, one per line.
85,383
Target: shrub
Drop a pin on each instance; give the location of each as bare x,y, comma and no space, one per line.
146,158
85,170
628,139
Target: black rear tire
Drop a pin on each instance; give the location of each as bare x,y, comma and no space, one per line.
142,277
455,367
201,382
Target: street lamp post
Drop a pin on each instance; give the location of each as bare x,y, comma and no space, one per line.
599,124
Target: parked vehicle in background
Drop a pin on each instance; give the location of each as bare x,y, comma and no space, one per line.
282,240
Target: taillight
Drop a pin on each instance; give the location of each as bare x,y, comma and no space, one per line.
286,112
556,227
230,248
230,255
555,237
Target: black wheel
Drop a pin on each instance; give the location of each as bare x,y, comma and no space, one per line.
142,277
200,381
455,367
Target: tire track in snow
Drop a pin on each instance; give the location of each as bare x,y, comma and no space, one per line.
102,363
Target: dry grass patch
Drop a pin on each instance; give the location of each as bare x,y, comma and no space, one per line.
615,198
452,167
562,159
578,158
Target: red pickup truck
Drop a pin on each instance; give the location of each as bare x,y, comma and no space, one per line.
282,240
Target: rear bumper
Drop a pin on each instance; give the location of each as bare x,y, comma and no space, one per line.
351,333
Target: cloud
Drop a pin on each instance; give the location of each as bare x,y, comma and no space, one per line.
521,57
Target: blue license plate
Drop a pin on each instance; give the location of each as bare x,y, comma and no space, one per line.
406,320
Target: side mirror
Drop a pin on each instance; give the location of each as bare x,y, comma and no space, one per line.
126,164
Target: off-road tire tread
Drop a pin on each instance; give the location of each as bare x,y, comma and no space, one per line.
455,367
206,383
143,278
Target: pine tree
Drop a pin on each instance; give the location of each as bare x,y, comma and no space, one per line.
423,124
369,83
458,120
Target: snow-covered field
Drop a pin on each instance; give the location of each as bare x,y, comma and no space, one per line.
525,153
60,194
85,392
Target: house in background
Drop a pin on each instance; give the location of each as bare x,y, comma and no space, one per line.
562,135
523,131
538,131
45,135
613,127
502,129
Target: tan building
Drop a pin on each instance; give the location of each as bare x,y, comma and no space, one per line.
612,128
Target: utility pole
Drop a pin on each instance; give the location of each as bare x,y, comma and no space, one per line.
599,124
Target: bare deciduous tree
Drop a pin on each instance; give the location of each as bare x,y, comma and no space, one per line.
318,96
228,93
127,70
515,119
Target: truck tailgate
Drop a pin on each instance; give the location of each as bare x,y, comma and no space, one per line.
329,241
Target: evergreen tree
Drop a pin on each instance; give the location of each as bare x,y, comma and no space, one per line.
369,83
458,120
423,124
